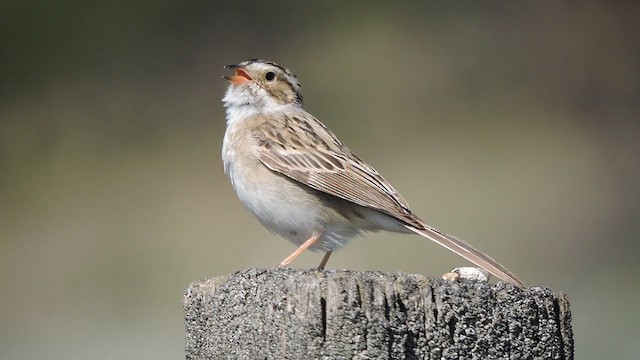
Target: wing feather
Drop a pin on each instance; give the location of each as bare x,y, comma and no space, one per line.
327,165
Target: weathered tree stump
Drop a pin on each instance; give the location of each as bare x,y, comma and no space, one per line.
339,314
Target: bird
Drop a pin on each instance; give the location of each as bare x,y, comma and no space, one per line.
304,184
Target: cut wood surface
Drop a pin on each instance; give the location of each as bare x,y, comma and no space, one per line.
338,314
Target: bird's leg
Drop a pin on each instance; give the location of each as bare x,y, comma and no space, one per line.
324,261
300,249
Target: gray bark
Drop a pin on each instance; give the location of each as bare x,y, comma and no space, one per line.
339,314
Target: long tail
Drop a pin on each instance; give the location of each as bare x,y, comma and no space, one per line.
468,252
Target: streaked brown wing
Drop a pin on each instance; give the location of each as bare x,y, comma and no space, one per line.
328,166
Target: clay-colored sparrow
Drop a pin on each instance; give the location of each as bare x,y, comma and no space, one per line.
304,184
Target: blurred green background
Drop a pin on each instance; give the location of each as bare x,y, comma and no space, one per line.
513,125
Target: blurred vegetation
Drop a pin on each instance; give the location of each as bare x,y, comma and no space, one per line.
514,125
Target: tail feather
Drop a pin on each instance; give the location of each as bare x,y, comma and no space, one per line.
468,252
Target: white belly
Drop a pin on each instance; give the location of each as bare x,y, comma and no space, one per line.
282,205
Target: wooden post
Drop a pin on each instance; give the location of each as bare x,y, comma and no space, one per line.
340,314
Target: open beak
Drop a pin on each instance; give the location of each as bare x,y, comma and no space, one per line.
240,77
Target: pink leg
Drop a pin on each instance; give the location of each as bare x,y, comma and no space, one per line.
299,250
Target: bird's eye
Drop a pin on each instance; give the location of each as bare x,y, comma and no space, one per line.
270,76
